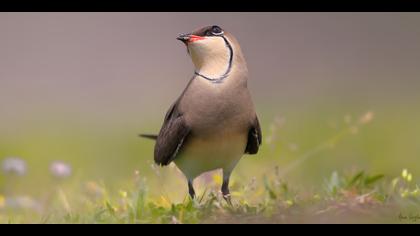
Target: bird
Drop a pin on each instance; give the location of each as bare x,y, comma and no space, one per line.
213,123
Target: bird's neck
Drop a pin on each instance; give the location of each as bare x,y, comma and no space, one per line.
214,67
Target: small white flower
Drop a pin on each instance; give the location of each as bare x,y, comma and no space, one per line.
60,169
15,166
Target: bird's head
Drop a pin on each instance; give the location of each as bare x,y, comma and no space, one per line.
212,50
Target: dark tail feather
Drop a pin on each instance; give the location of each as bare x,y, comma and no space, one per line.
149,136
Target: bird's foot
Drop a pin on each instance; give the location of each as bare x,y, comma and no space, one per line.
227,198
191,189
192,195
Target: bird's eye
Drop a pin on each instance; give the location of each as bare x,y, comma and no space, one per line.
216,30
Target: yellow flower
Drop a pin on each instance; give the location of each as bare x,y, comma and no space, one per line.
404,173
217,179
236,194
164,202
2,201
123,194
416,192
243,202
409,177
405,193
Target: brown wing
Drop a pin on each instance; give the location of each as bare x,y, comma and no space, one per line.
254,138
171,137
173,133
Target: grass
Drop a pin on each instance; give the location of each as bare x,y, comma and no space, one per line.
294,179
354,198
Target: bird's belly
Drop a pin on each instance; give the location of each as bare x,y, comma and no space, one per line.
202,154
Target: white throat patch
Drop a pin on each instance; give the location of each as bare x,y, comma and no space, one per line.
212,57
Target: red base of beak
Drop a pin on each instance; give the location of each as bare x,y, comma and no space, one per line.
194,38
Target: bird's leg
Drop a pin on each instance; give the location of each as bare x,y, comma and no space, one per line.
225,187
191,189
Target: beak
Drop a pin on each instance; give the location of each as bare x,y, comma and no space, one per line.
185,38
189,38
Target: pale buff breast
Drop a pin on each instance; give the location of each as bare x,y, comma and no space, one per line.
222,150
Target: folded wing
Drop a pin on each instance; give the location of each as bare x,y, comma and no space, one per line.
172,136
254,138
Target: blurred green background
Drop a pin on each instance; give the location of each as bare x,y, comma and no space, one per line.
80,87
